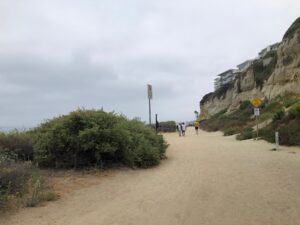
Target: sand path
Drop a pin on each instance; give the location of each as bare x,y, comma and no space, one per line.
207,179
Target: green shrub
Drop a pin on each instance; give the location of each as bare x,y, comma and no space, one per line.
290,101
221,121
86,138
272,107
221,92
265,116
18,144
231,131
247,133
292,29
267,133
14,178
289,133
294,111
206,97
168,126
245,104
261,72
279,115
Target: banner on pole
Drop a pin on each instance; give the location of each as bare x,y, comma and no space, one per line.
149,91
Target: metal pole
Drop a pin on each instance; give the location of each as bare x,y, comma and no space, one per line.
256,127
277,139
156,123
149,111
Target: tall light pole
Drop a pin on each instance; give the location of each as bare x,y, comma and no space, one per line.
149,88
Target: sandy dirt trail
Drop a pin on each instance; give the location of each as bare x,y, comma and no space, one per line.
207,179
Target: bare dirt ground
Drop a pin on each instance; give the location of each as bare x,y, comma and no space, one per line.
207,179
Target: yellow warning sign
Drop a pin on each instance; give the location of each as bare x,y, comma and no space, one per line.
256,102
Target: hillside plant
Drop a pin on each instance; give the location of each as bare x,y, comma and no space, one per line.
245,104
246,133
167,126
292,29
231,131
261,72
19,145
88,138
294,111
18,184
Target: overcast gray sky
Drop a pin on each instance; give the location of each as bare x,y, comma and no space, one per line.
58,55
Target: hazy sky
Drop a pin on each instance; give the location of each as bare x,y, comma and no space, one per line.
58,55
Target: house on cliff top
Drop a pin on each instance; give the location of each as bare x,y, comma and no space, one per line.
225,78
245,65
270,48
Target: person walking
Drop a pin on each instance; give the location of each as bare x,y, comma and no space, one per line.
183,128
179,129
196,124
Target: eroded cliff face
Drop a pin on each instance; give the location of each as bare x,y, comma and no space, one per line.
284,78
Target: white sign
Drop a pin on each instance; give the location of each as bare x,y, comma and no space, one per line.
256,111
149,91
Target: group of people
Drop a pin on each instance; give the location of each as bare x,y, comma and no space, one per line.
181,128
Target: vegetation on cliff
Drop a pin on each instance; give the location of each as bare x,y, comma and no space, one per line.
292,29
282,114
263,72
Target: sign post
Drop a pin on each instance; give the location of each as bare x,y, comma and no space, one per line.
256,113
149,87
277,140
256,103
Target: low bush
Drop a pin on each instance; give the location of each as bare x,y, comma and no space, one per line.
290,101
221,92
21,184
168,126
18,144
294,111
292,29
246,133
278,115
13,180
268,134
272,107
245,104
87,138
221,121
231,131
289,133
261,72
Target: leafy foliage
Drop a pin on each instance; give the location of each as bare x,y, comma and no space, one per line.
294,111
246,133
221,121
206,97
168,126
241,120
231,131
261,72
245,104
18,145
221,92
292,29
87,138
279,115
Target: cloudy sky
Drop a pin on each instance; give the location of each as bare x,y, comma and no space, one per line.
58,55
